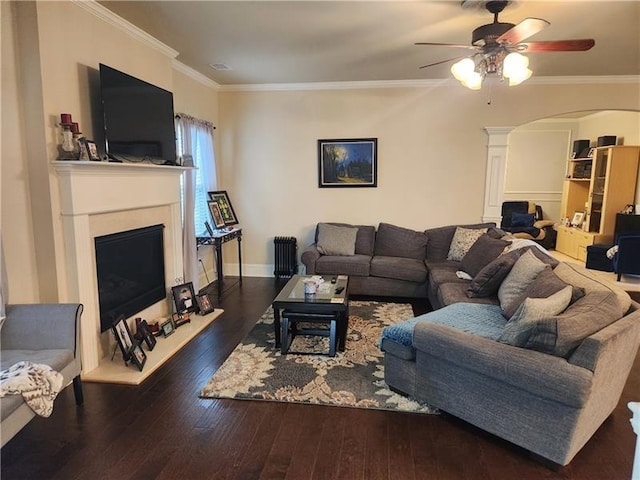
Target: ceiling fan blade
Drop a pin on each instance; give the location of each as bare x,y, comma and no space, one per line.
523,30
445,45
578,45
443,61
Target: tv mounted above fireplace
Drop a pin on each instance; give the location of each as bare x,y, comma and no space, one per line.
138,119
130,267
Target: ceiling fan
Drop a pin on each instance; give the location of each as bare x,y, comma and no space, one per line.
498,48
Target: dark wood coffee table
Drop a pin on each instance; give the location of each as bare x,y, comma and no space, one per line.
292,306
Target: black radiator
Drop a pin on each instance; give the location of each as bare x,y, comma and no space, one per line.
286,257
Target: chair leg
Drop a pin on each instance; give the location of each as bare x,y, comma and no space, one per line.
77,390
619,275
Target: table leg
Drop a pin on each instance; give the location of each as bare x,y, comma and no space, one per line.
276,326
284,336
240,258
219,267
332,336
343,329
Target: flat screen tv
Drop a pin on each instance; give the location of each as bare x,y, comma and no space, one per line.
138,119
130,267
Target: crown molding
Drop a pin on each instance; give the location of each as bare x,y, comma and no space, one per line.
271,87
277,87
120,23
194,74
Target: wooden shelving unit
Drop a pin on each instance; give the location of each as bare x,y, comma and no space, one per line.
600,186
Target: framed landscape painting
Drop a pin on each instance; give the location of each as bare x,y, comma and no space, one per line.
348,162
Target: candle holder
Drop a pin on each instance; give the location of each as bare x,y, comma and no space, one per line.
67,150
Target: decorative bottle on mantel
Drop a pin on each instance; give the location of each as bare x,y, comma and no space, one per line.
67,150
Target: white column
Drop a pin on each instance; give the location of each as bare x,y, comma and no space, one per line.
496,169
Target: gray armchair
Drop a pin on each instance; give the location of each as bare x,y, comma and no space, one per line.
41,333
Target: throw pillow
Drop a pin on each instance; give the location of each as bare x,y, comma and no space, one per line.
546,284
463,240
522,220
523,273
488,280
560,335
520,327
334,240
485,250
394,241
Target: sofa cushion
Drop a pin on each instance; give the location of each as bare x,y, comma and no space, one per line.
450,293
440,239
546,284
357,265
336,240
393,241
560,335
487,282
523,273
365,238
444,272
482,320
579,276
398,268
519,327
482,252
463,240
56,359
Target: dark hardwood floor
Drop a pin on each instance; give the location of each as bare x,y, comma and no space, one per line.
161,429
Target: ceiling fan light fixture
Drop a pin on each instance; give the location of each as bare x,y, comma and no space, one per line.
515,68
465,71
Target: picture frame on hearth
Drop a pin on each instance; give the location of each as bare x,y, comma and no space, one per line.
180,319
167,328
216,214
144,335
138,357
184,298
226,209
348,162
205,304
125,340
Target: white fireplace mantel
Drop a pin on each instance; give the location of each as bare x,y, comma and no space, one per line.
103,193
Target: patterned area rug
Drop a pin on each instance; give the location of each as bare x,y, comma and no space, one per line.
355,378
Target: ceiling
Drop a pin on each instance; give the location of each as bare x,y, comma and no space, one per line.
267,42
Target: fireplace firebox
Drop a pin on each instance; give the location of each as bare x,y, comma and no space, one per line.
131,273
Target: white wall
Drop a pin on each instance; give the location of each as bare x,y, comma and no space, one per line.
432,151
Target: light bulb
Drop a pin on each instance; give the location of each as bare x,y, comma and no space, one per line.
473,81
515,68
463,68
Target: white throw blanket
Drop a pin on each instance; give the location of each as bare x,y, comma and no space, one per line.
37,383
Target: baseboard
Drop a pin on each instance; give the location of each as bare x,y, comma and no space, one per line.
252,269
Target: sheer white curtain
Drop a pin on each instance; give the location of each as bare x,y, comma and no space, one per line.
195,138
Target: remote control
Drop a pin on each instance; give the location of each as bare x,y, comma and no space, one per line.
339,290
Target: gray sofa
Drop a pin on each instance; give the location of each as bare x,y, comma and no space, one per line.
46,334
549,392
392,261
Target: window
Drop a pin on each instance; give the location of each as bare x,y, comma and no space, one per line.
195,137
